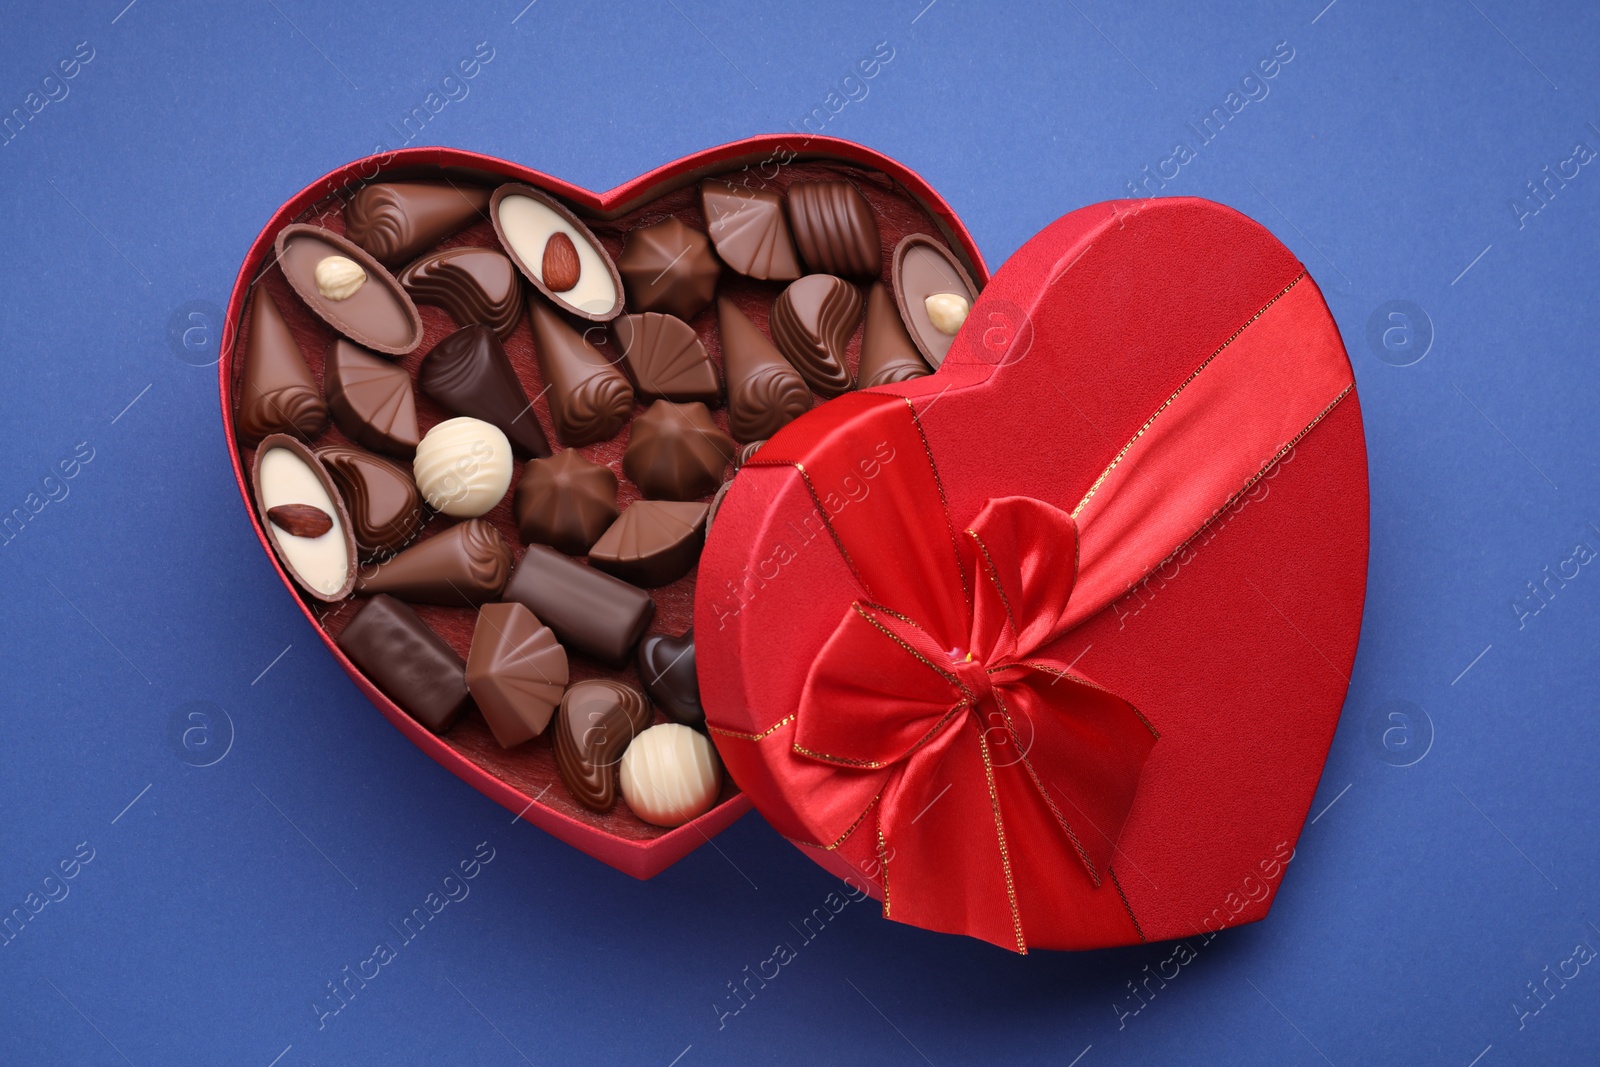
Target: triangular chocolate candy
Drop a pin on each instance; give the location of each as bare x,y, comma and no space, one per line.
590,398
465,565
665,358
398,221
750,231
516,672
277,393
652,543
887,354
385,507
468,372
765,392
371,399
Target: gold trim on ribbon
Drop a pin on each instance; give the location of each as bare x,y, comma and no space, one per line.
1005,853
769,731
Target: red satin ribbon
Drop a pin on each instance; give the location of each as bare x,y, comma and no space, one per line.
978,757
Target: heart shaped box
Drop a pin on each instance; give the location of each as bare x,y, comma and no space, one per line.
621,842
1238,650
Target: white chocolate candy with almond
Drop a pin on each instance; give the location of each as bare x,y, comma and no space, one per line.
528,225
670,774
324,564
463,467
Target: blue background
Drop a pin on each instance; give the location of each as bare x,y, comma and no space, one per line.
1452,857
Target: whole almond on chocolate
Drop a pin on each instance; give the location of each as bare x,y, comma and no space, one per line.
560,267
300,520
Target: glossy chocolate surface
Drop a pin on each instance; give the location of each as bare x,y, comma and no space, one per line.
665,358
749,230
464,566
408,662
765,392
525,219
379,315
653,542
468,372
286,472
812,322
887,353
277,393
371,399
598,719
516,672
666,667
922,268
669,267
397,221
590,399
385,508
590,612
834,229
566,501
473,285
676,452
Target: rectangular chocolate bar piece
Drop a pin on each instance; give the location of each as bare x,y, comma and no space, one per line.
409,662
588,611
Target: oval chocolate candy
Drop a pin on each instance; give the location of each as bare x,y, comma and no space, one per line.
924,270
597,720
556,252
289,480
376,313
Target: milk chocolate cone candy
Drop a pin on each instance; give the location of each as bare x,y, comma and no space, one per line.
597,720
473,285
835,229
516,672
653,542
750,231
565,501
277,393
468,372
666,667
385,507
398,221
765,392
411,664
371,399
668,267
812,321
589,398
465,566
675,452
887,354
665,358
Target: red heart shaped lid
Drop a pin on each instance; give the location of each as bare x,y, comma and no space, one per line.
1049,647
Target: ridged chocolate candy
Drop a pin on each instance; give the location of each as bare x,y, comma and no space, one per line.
765,392
675,452
277,393
835,229
468,372
516,672
750,231
653,542
565,501
665,358
887,354
670,774
385,508
598,719
371,399
473,285
812,321
464,566
668,267
589,398
398,221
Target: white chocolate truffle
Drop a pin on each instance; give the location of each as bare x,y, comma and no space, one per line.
463,467
670,774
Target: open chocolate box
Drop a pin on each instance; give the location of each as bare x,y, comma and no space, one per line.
861,219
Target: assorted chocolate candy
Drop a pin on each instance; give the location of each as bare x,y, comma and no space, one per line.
411,356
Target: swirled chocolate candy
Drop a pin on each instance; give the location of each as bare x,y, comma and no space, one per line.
463,467
812,321
665,358
887,354
666,667
304,517
598,719
589,611
277,393
464,566
747,451
385,508
473,285
670,774
565,501
934,293
675,452
749,230
590,398
668,267
372,310
765,393
468,372
410,663
835,229
516,672
398,221
556,252
653,542
371,399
